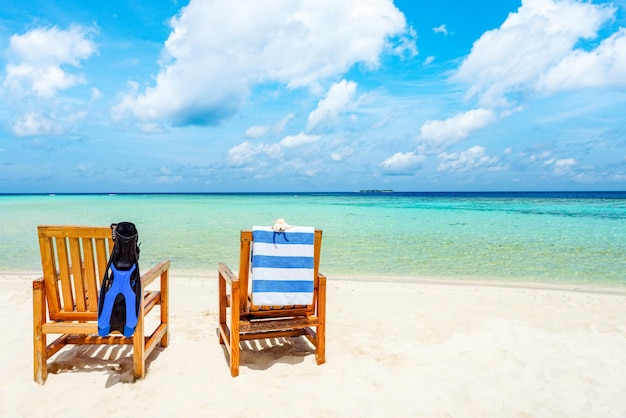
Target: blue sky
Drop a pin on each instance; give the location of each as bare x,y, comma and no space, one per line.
312,95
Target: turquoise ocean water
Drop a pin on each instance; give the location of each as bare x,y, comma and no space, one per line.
545,237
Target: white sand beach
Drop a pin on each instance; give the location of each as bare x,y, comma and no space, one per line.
394,348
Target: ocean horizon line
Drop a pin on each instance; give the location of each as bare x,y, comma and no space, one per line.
368,192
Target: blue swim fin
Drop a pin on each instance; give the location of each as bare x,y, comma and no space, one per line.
119,308
120,291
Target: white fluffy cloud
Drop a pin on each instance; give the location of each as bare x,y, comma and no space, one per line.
284,159
40,64
32,123
337,99
341,154
403,163
248,154
535,47
38,60
603,66
291,141
470,159
441,29
218,50
561,166
258,131
537,50
437,134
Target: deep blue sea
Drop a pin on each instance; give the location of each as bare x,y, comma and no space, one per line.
543,237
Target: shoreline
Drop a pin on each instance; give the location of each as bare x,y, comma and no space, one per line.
415,279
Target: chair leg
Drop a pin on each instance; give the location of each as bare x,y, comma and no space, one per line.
235,316
320,347
165,307
139,360
320,350
222,301
40,364
139,344
234,342
234,356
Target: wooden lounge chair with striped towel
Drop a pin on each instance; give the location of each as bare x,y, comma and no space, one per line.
287,296
65,298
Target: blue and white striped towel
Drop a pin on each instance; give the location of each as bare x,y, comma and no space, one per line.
282,266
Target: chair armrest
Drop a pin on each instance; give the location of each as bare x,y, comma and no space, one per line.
321,279
38,283
156,271
226,274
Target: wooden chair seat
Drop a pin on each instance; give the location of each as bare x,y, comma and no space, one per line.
65,298
240,320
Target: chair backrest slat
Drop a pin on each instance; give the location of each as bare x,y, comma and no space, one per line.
48,262
64,274
102,255
77,274
316,266
90,279
244,268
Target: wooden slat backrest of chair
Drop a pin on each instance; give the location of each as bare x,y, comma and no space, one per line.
244,269
244,273
316,267
74,259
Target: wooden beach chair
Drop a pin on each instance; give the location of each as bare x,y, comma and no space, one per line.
65,298
249,321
